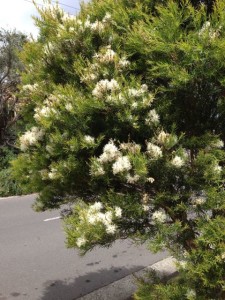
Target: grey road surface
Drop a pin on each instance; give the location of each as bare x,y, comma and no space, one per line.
35,264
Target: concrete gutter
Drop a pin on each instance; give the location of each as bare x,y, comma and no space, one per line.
124,288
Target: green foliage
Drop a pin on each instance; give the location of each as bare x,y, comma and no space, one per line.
8,185
124,110
160,288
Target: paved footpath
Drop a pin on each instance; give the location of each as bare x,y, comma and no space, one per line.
35,264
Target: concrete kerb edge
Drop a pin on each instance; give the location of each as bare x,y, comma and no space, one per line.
124,288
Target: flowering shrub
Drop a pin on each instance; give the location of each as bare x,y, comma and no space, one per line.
125,119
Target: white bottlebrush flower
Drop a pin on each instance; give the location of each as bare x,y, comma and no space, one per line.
217,169
98,171
177,161
110,148
81,241
69,107
30,87
44,112
118,212
49,149
145,207
111,229
132,92
150,179
108,217
113,85
191,294
30,138
67,17
71,29
107,18
89,139
218,144
100,89
144,88
91,218
132,179
97,26
99,217
53,174
182,264
89,77
154,151
159,216
122,164
204,28
104,86
223,256
134,105
131,147
145,198
108,57
105,157
147,101
97,206
162,137
110,152
152,117
199,201
123,63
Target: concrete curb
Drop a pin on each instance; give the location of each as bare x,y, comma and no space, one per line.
124,288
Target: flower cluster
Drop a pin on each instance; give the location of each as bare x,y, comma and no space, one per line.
30,87
218,144
104,86
159,216
154,151
44,112
107,57
100,60
121,161
95,27
53,174
90,140
110,153
208,31
132,179
30,138
123,63
163,137
177,161
152,117
199,201
121,164
93,215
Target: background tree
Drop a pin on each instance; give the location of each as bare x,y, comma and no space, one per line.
11,43
125,121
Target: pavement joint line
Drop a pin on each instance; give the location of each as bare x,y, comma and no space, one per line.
52,219
123,289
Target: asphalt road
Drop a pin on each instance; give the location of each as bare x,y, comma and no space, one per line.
35,264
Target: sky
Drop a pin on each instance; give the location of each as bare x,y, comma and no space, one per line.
17,14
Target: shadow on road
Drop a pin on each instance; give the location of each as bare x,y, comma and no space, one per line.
72,289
